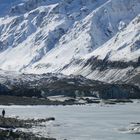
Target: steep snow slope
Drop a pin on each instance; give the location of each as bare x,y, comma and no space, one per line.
40,36
33,34
117,60
124,46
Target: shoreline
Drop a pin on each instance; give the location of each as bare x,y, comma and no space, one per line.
10,128
32,101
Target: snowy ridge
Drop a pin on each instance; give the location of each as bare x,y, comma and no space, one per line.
40,36
124,46
123,49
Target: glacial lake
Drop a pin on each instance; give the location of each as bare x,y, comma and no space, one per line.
82,122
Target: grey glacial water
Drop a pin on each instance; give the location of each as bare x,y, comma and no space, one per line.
88,122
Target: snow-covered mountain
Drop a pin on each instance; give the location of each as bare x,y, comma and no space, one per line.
99,39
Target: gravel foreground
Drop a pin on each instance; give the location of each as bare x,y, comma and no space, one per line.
9,128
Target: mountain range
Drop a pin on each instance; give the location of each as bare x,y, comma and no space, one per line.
98,39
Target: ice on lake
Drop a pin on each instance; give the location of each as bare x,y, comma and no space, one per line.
82,122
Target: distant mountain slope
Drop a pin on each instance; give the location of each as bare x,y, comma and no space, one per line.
117,60
99,39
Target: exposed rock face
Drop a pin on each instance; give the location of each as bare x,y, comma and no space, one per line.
106,64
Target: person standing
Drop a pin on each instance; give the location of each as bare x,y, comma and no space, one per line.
3,113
